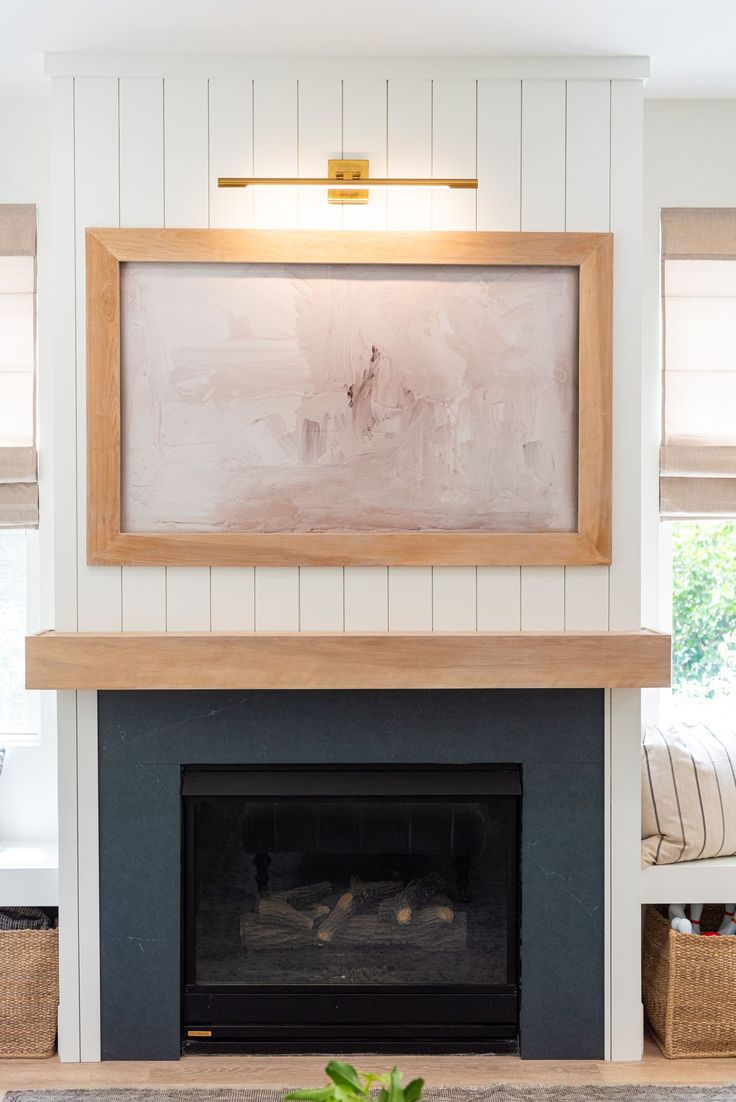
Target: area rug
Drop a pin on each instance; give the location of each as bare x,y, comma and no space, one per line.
496,1093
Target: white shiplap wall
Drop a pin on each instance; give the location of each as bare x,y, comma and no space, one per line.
143,150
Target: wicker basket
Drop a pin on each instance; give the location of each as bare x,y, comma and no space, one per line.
29,992
689,983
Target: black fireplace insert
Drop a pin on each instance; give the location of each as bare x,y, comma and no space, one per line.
331,908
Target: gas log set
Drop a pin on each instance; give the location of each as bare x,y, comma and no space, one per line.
418,914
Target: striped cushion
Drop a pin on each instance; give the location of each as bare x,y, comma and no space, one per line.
688,793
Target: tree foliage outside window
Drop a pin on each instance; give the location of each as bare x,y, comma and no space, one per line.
13,699
704,609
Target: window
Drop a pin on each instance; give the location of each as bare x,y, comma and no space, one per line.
17,714
698,456
704,611
18,489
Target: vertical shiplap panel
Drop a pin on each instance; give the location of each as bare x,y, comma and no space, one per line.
188,598
625,577
65,548
626,225
232,598
186,203
89,877
64,367
364,134
587,209
454,598
319,139
586,598
277,598
186,154
97,203
588,155
499,155
409,598
321,598
499,598
366,598
231,151
543,165
141,151
142,204
626,1014
607,962
499,208
144,598
543,155
275,153
542,598
231,154
409,154
68,1017
453,154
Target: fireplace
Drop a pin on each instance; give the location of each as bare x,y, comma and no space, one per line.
351,908
298,788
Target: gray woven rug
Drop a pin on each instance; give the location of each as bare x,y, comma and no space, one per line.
496,1093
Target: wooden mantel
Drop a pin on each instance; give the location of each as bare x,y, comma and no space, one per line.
326,660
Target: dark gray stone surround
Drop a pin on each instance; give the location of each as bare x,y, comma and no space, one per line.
555,735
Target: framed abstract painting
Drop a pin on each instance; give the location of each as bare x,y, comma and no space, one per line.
267,397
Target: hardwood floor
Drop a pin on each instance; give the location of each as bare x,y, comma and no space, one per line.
306,1071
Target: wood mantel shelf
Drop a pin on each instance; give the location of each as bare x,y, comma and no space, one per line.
327,660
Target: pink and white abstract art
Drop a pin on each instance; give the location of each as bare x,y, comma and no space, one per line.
355,398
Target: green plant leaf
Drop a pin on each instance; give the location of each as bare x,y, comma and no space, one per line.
413,1090
345,1076
347,1094
396,1094
369,1078
321,1094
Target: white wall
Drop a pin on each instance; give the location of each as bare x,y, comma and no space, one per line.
551,155
28,781
136,147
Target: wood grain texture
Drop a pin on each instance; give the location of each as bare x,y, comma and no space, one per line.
347,246
462,1071
591,253
103,398
311,660
338,549
595,397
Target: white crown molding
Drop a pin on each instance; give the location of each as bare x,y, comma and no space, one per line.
203,65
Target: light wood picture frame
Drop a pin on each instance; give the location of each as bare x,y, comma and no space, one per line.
590,253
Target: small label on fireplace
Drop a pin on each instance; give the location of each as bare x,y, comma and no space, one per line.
199,1033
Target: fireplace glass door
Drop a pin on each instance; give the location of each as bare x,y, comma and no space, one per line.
343,900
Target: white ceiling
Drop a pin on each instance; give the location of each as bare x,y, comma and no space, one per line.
691,43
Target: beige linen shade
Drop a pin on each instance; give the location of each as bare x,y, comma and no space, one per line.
18,486
698,455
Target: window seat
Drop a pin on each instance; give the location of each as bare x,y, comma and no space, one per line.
711,880
29,874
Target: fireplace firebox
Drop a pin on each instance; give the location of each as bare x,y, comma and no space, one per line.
339,908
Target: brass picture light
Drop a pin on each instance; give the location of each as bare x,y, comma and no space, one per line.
344,173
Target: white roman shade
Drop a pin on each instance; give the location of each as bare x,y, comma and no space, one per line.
18,487
698,455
